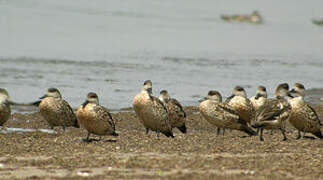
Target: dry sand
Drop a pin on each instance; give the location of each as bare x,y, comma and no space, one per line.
199,154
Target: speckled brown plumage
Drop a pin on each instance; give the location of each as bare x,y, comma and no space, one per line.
57,112
152,113
260,98
241,104
303,116
223,116
176,113
275,113
5,112
257,103
96,119
243,107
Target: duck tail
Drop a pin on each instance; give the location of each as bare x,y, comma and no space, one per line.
182,128
249,131
114,134
169,134
76,124
257,124
318,134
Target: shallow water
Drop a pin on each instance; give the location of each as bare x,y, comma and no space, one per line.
24,130
111,47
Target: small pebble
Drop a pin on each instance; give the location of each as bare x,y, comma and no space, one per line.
83,173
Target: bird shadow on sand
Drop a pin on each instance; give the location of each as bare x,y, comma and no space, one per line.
309,137
244,136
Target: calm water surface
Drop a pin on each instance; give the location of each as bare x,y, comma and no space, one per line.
112,46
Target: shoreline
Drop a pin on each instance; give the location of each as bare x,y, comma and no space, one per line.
313,96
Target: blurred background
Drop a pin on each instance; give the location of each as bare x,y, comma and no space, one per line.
112,46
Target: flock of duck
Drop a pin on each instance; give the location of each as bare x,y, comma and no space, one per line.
164,113
254,18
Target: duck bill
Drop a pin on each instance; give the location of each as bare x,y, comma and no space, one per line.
289,95
203,99
43,97
292,91
85,103
36,103
257,96
230,97
150,90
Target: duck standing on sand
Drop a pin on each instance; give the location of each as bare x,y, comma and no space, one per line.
303,117
94,118
176,113
241,104
152,112
5,110
222,115
275,113
260,98
56,111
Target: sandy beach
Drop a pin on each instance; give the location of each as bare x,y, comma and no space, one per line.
199,154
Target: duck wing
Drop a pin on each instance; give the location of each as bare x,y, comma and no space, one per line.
105,115
175,102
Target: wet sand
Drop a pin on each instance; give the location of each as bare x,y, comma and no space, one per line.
199,154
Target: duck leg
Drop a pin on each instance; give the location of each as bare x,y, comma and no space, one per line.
284,135
157,135
299,135
261,133
218,131
303,134
87,137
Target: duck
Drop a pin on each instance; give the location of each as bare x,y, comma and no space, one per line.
151,112
223,115
176,113
56,111
260,98
5,110
241,104
95,118
317,22
304,118
254,17
275,113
